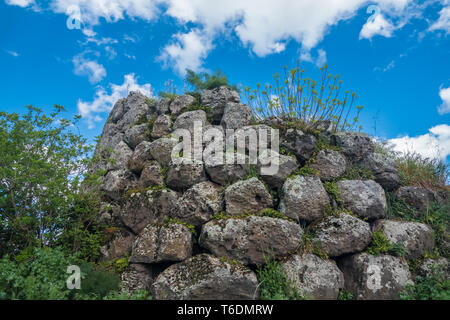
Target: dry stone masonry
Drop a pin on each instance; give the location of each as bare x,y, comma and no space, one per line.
200,229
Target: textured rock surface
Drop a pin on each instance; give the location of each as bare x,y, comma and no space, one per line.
180,104
251,239
383,168
415,237
430,266
365,198
119,246
161,150
418,198
151,175
199,203
338,235
184,173
355,145
205,277
161,127
155,244
147,207
236,116
135,135
314,277
217,99
247,196
223,173
188,119
298,143
285,165
370,277
304,198
330,164
137,276
116,182
140,157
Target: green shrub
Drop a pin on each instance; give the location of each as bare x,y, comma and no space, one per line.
435,286
380,244
345,295
201,81
295,98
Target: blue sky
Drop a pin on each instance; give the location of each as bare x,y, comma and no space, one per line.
395,58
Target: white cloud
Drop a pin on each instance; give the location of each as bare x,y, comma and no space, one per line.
319,61
12,53
187,51
435,144
443,23
444,108
104,101
379,26
92,69
20,3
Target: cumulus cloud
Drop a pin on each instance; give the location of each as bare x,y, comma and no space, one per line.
104,101
21,3
187,51
319,61
435,144
379,26
85,67
443,23
444,108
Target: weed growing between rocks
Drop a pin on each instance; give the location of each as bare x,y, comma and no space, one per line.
435,286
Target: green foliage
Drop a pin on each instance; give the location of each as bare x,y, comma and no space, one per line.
170,91
274,283
201,81
380,244
303,100
43,163
305,171
345,295
137,295
333,191
356,173
271,213
435,286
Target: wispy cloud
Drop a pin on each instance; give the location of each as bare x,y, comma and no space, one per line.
85,67
12,53
444,108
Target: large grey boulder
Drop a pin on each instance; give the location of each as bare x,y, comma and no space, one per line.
298,143
199,203
205,277
416,238
314,277
369,277
162,126
247,196
383,168
137,276
162,243
183,173
161,150
119,157
217,99
159,107
180,104
355,145
437,266
236,116
219,171
342,234
135,135
330,164
188,119
142,208
140,157
418,198
304,198
365,198
119,246
116,182
151,175
281,165
127,112
251,240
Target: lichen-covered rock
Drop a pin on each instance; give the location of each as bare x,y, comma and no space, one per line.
151,175
342,234
183,173
142,208
116,182
383,168
369,277
355,145
251,240
180,104
119,157
298,143
437,266
365,198
161,127
140,157
304,198
416,197
274,168
162,243
135,135
415,237
248,139
205,277
330,164
161,150
159,107
247,196
217,99
188,119
120,245
199,203
137,276
219,171
314,277
236,116
127,112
